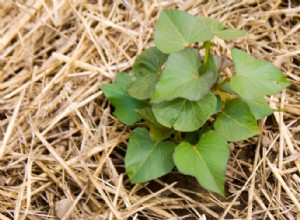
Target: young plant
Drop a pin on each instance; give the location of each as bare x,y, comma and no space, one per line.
190,111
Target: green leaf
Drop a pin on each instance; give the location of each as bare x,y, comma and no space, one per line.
146,159
157,131
149,61
146,69
212,64
259,107
217,28
229,34
226,87
206,160
181,78
211,25
124,104
219,105
236,123
143,87
255,78
185,115
176,29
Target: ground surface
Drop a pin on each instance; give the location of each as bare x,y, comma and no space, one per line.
61,150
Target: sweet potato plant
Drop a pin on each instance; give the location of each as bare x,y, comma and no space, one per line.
182,110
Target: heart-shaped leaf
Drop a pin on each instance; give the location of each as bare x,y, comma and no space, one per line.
124,104
206,160
259,107
255,78
157,131
146,69
146,159
181,78
176,29
184,115
236,123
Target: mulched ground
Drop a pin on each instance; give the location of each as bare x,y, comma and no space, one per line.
61,150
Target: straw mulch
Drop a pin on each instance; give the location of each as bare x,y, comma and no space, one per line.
61,149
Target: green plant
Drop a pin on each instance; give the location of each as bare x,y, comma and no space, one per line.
190,111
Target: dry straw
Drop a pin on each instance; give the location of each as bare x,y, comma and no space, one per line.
61,150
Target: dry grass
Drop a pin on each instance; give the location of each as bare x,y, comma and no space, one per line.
61,150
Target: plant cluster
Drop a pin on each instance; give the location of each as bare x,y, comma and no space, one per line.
189,111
